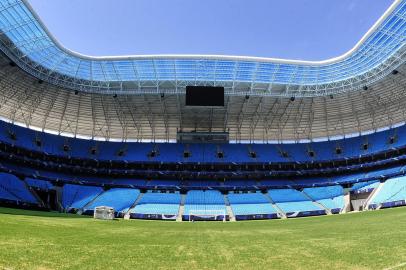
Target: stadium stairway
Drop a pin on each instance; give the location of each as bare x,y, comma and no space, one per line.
280,212
372,196
347,202
127,213
328,211
230,213
37,198
59,196
80,211
181,208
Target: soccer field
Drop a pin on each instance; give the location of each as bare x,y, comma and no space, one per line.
369,240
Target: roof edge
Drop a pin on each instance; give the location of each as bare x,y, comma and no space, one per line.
215,57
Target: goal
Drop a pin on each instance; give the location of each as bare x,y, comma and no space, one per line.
104,212
206,215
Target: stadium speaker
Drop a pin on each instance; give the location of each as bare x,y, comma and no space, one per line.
247,97
331,96
38,142
395,71
40,81
115,96
365,88
162,95
152,154
76,92
12,64
12,135
66,148
292,99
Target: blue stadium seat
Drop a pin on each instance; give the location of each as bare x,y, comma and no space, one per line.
364,186
290,200
173,152
331,197
121,199
250,204
12,187
393,190
40,184
204,200
76,196
158,203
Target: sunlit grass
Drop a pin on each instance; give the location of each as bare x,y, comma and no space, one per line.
35,240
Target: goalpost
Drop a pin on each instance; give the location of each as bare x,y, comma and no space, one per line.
203,215
104,212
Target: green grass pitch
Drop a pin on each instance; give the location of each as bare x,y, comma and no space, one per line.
368,240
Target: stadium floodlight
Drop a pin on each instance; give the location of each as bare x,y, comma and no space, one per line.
104,212
207,215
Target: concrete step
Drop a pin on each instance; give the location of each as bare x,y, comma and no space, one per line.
372,196
32,191
127,214
280,212
347,201
59,192
328,211
230,213
229,210
80,211
181,208
180,213
182,199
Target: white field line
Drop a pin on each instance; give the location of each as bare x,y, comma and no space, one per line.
396,266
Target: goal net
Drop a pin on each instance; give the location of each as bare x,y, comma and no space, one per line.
104,212
206,215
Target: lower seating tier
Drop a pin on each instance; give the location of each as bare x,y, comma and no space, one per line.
294,208
392,193
330,197
152,208
158,203
13,189
269,203
253,209
77,197
120,199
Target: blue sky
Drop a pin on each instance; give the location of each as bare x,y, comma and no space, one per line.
292,29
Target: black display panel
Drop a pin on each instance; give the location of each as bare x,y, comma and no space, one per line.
206,96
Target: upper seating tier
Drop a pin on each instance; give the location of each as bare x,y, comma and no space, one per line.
202,153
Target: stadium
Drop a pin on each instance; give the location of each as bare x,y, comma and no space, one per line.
294,163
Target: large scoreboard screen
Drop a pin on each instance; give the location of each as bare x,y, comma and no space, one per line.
205,96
